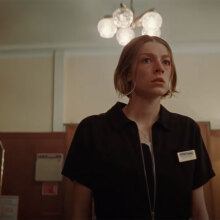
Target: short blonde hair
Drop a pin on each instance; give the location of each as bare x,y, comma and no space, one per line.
124,68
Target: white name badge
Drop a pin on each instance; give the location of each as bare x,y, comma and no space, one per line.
186,155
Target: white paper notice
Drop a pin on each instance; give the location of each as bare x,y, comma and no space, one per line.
49,167
8,207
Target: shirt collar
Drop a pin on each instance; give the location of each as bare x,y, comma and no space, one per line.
118,119
116,116
164,118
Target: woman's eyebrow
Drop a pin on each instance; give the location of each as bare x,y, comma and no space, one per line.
167,56
152,54
149,54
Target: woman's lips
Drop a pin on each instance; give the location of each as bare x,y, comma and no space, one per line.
158,80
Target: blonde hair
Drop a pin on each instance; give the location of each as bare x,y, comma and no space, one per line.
123,85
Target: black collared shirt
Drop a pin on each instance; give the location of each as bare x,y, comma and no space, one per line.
105,155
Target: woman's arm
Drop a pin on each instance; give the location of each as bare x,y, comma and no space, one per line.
82,202
199,211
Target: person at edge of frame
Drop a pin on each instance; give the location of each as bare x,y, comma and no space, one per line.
138,160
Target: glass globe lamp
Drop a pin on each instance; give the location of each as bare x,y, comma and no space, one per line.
106,28
124,35
152,20
123,17
151,32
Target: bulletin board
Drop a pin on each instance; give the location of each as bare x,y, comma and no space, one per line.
48,167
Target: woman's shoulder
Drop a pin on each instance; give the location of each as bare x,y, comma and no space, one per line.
180,119
112,115
91,121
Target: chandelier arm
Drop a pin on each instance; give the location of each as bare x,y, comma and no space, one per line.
131,5
137,21
122,5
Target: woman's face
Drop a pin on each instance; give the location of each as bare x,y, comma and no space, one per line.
152,70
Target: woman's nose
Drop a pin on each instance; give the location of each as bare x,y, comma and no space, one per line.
158,67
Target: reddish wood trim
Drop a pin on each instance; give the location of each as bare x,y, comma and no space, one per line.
68,196
8,135
205,132
70,131
208,191
204,122
215,132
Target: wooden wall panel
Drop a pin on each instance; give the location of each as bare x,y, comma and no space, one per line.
212,189
215,156
208,187
205,132
68,184
19,171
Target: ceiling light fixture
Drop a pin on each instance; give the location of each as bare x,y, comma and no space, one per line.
122,23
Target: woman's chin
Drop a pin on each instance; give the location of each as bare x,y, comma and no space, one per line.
151,93
159,92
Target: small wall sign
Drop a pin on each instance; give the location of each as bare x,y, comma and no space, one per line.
49,189
49,167
8,207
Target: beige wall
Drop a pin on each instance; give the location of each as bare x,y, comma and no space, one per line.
26,89
198,84
26,94
89,86
37,92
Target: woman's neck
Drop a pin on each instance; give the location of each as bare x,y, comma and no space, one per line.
143,111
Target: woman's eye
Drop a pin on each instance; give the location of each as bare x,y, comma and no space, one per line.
147,60
167,62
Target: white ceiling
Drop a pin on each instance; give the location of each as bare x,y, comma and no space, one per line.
73,23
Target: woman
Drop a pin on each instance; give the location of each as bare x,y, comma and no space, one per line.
140,161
